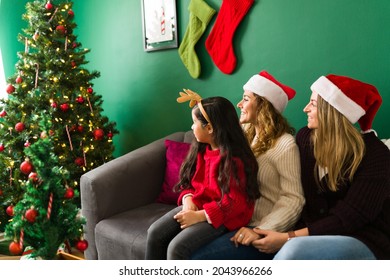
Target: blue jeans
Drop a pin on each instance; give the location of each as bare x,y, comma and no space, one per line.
224,249
324,247
166,240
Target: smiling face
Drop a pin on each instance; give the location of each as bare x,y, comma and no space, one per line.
248,106
311,111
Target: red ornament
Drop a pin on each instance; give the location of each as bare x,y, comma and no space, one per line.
3,113
2,147
49,6
64,107
15,248
70,13
10,89
1,192
82,245
61,29
73,128
73,63
19,80
53,105
80,99
80,128
19,127
74,45
79,161
69,193
90,90
10,210
98,134
31,215
27,144
110,135
26,167
33,177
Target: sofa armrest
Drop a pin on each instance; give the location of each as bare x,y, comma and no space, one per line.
124,183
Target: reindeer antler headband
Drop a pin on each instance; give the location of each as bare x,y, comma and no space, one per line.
193,98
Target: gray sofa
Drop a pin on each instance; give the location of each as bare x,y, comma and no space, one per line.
118,201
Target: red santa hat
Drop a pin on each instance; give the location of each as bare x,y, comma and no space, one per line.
267,86
356,100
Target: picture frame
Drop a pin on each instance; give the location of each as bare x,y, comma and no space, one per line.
159,24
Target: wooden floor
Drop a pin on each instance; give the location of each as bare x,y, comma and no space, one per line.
75,255
4,257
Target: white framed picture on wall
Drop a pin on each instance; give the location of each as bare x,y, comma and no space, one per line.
159,24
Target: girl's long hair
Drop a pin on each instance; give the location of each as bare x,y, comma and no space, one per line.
338,145
272,123
231,141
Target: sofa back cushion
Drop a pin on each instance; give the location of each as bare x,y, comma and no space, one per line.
175,155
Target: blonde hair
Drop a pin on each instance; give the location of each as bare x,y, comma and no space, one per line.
338,145
272,123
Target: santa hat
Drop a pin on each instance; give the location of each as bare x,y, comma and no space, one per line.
268,87
356,100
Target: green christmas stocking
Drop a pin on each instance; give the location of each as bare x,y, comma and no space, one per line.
200,16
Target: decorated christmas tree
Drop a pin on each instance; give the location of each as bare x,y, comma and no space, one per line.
50,79
47,215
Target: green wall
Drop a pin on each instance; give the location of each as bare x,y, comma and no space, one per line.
297,41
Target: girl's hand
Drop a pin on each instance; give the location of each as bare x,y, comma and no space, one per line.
188,204
188,218
244,236
271,242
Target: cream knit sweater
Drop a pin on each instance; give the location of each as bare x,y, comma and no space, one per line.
282,198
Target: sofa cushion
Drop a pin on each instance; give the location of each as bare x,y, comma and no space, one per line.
175,154
123,236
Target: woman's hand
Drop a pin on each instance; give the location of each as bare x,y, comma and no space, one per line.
244,236
271,241
187,218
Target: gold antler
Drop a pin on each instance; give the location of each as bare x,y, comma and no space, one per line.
189,95
194,98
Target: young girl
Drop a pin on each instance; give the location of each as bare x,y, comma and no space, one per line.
218,183
272,141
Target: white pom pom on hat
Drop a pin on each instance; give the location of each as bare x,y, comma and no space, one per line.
265,85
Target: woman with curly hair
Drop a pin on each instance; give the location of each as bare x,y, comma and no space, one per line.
272,141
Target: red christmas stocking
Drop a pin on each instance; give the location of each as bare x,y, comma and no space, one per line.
219,43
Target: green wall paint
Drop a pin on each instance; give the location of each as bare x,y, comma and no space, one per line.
11,24
297,41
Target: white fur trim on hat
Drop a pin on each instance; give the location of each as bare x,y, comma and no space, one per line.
268,89
335,97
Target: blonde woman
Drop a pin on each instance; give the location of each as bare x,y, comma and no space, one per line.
272,141
345,177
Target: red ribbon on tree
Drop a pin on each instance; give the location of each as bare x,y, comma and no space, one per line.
70,139
53,15
36,75
49,206
21,238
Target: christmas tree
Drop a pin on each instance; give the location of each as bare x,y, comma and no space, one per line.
47,215
50,79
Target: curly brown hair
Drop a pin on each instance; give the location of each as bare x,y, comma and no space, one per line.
272,124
